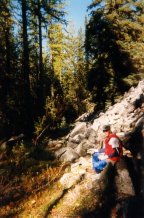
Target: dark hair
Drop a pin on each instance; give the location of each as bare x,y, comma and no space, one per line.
106,128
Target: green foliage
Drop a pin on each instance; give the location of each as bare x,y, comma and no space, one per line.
45,86
48,84
39,125
25,68
53,113
10,85
114,47
50,108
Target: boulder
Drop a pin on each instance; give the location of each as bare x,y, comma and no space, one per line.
123,182
92,136
70,179
77,138
69,155
81,149
72,144
79,129
60,151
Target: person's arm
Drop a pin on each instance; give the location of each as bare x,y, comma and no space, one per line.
114,154
114,142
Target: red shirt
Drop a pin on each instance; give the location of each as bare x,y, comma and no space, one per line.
110,150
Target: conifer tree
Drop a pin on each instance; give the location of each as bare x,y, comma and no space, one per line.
56,46
5,40
112,34
74,81
8,69
43,13
29,122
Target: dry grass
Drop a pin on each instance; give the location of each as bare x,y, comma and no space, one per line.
24,180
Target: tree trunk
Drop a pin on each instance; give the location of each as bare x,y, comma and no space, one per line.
7,68
40,82
29,123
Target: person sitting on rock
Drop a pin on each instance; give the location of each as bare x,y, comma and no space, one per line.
111,151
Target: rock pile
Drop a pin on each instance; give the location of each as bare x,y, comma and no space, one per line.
85,190
125,116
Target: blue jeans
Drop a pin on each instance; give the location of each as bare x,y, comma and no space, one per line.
98,165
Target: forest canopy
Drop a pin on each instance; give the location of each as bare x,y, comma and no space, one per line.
50,75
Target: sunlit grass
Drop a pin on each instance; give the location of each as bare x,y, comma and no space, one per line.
23,178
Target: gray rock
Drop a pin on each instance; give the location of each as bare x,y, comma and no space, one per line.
77,138
123,180
69,155
92,136
79,129
60,151
140,121
70,179
72,144
81,149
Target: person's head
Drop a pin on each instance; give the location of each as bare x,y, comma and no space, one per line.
106,129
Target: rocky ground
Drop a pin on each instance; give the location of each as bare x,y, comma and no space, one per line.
118,191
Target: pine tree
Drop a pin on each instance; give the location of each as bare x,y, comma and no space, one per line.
74,81
113,32
29,121
43,13
80,75
55,44
8,69
5,40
